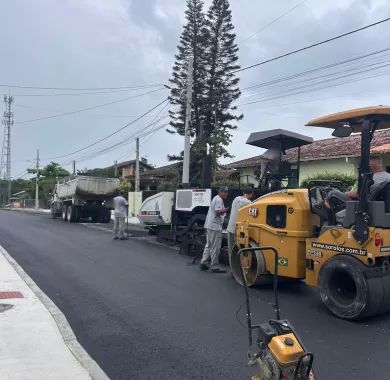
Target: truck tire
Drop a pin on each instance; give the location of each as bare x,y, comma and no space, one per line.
351,290
71,214
64,215
77,214
107,217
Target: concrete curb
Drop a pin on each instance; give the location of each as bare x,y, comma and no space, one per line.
27,211
66,331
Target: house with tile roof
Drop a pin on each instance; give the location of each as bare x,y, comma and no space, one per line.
339,155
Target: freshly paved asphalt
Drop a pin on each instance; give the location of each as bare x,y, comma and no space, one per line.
142,313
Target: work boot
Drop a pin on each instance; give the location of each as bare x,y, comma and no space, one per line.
218,270
204,267
124,238
115,238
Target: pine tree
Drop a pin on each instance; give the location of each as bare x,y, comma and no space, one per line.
211,42
193,41
222,83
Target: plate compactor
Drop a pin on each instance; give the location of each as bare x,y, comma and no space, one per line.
339,245
278,353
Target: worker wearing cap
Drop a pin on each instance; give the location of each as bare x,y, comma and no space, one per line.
213,225
239,202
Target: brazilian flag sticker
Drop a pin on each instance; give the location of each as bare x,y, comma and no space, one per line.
283,261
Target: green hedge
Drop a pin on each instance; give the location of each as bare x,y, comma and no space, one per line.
346,179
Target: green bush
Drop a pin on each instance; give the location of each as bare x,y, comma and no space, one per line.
168,185
346,179
230,183
125,186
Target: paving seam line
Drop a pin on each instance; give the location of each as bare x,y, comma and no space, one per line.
139,238
93,369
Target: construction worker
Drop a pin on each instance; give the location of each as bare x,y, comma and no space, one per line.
379,175
239,202
213,225
120,211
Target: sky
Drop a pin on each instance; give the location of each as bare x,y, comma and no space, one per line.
97,47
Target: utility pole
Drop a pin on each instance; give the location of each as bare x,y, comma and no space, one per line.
74,167
187,131
137,164
8,121
116,169
36,184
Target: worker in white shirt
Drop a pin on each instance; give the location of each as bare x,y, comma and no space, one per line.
120,212
239,202
213,225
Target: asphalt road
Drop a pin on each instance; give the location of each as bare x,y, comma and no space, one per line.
142,313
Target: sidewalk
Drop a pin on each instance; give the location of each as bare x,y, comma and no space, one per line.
36,342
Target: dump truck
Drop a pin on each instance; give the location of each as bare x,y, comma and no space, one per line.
338,245
78,198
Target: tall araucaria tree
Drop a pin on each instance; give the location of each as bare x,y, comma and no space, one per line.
211,41
193,42
222,83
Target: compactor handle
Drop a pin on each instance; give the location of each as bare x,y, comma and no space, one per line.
276,263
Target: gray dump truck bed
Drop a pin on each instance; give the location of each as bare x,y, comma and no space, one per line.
81,197
87,187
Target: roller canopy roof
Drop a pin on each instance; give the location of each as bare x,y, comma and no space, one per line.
354,118
276,138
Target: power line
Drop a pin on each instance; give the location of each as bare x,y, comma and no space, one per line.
75,94
151,135
272,22
83,88
121,142
111,134
316,89
94,115
88,108
314,80
20,176
311,71
106,149
311,46
109,148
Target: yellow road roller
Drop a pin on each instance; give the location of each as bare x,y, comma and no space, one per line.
340,245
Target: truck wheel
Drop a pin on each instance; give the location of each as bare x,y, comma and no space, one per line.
344,288
77,213
71,214
64,213
256,274
107,217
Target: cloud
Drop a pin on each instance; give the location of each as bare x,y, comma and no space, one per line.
100,43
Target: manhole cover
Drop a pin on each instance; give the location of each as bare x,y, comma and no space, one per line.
5,307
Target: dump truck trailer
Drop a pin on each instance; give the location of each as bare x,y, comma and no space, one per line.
78,198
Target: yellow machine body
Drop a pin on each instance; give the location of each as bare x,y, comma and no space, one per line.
347,259
286,349
339,240
284,221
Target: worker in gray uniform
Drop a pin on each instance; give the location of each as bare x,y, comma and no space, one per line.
213,225
239,202
120,211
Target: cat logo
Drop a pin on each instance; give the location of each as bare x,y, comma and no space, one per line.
253,211
283,261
